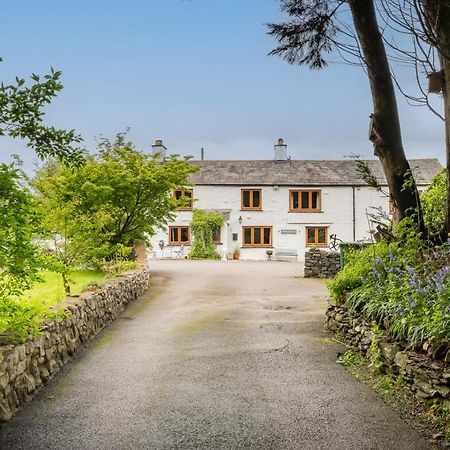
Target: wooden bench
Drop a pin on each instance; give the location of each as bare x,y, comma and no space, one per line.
282,253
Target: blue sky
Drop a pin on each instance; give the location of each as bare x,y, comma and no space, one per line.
194,73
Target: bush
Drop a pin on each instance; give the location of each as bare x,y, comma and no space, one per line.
19,319
359,263
401,286
433,202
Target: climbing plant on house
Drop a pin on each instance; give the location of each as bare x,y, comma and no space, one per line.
204,225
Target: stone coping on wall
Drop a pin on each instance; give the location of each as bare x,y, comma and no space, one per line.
427,373
27,366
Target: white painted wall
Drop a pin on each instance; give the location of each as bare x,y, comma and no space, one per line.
337,215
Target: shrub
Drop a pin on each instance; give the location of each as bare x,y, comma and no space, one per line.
433,202
20,319
404,287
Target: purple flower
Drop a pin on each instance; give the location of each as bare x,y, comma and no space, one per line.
376,273
391,255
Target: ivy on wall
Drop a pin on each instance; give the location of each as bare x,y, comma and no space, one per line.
203,226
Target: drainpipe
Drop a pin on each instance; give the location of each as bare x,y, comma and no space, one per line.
354,213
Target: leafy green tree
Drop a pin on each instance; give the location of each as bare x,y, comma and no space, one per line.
21,116
118,197
19,257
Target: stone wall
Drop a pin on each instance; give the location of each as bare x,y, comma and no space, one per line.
25,367
427,372
321,264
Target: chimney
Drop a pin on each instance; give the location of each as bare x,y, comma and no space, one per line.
159,149
202,154
280,151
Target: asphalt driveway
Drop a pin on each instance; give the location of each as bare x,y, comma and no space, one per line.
217,355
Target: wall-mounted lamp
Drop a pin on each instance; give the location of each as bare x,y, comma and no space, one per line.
240,219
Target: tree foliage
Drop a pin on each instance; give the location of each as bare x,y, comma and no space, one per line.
203,226
309,35
21,116
20,258
118,197
19,220
434,203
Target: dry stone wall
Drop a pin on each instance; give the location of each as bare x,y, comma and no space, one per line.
25,367
321,264
427,372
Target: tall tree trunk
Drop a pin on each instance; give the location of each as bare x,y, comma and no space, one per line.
385,126
437,20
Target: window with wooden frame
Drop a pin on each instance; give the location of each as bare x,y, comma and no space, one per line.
257,236
184,199
179,236
317,236
216,236
305,200
251,199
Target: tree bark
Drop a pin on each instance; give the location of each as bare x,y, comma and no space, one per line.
437,20
385,126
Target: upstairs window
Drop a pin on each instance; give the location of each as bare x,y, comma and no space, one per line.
257,236
305,201
316,236
184,199
251,199
179,236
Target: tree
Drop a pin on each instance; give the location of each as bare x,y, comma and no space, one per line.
21,260
316,29
21,117
116,198
19,257
427,24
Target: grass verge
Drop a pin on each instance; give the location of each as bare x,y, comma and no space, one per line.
51,290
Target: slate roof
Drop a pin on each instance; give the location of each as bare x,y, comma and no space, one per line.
298,172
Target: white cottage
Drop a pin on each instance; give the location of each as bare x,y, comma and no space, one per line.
281,205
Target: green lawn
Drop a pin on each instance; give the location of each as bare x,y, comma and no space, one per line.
51,291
